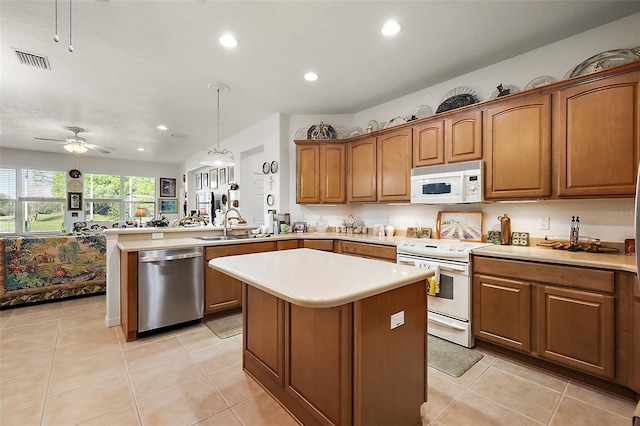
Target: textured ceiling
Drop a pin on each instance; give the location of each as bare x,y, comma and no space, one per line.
138,64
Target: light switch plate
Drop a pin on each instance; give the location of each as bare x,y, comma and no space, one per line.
397,319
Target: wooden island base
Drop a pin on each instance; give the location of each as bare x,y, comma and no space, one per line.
342,365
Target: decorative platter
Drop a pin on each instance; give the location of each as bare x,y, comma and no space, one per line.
603,61
321,131
371,126
355,132
421,111
341,132
301,134
457,98
539,82
507,89
396,121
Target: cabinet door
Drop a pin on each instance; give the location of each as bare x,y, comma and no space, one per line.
463,137
634,356
502,311
394,165
361,171
597,135
221,291
332,173
308,173
517,138
576,328
325,245
286,244
428,144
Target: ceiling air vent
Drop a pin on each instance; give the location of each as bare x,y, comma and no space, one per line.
180,135
32,59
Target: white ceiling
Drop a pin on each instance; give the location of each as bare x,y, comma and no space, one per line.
138,64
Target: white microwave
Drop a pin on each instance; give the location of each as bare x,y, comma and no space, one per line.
455,183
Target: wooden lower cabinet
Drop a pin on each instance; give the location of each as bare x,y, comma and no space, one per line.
369,251
287,244
502,311
222,292
634,353
325,245
562,314
342,365
576,328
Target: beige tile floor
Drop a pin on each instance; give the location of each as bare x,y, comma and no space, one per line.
59,365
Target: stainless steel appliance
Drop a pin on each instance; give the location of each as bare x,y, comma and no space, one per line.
170,287
449,311
455,183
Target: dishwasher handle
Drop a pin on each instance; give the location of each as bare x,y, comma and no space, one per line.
174,257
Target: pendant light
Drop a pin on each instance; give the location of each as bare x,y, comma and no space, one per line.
218,157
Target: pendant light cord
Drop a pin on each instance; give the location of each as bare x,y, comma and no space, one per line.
218,108
70,44
55,36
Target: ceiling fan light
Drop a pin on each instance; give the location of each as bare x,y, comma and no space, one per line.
76,148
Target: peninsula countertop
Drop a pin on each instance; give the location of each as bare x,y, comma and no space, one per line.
317,279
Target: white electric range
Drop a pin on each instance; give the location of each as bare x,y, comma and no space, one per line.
449,310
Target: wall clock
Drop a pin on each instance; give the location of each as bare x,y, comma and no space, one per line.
74,173
265,168
270,200
274,166
74,186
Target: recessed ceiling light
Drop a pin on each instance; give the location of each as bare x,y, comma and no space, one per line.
311,76
141,149
162,127
391,28
228,40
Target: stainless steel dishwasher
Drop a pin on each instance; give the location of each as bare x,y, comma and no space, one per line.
170,287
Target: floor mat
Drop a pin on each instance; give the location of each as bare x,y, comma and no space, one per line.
450,358
225,327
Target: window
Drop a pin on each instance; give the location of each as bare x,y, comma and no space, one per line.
113,198
7,200
41,200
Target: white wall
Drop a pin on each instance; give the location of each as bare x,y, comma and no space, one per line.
609,220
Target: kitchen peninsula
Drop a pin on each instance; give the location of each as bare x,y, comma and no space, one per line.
336,339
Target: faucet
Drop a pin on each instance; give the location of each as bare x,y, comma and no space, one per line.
226,219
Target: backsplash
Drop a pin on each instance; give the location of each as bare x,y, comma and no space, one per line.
610,220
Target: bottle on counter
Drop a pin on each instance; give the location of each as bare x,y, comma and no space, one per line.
505,229
574,236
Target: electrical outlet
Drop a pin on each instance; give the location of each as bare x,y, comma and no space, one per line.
157,235
397,319
544,222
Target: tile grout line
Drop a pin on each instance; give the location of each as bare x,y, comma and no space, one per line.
53,357
505,407
558,402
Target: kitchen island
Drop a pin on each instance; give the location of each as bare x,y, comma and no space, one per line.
336,339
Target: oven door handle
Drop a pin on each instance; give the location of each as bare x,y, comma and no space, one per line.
445,323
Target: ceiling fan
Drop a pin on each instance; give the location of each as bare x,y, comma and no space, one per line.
78,145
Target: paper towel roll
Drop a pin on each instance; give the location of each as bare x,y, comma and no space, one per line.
268,221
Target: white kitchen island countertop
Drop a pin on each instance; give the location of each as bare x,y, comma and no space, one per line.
317,279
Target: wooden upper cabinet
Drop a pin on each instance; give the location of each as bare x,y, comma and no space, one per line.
320,172
332,173
517,143
428,144
463,137
596,135
308,173
361,171
394,165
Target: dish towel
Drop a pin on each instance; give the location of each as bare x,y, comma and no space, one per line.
434,282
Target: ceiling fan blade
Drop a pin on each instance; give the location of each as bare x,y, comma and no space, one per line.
102,149
49,139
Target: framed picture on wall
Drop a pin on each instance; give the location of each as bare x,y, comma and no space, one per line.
213,179
205,180
168,206
167,187
74,201
198,180
222,175
231,175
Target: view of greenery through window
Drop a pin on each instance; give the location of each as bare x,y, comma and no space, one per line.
34,200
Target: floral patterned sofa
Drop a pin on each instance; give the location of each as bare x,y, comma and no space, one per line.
37,269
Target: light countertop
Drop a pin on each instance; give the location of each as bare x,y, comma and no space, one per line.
615,261
317,279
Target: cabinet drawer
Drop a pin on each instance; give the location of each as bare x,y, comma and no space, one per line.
287,244
230,250
569,276
326,245
369,250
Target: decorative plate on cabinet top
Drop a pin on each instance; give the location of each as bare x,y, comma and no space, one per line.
460,90
321,132
421,111
341,132
539,82
504,90
301,134
355,132
457,98
395,121
603,61
371,126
